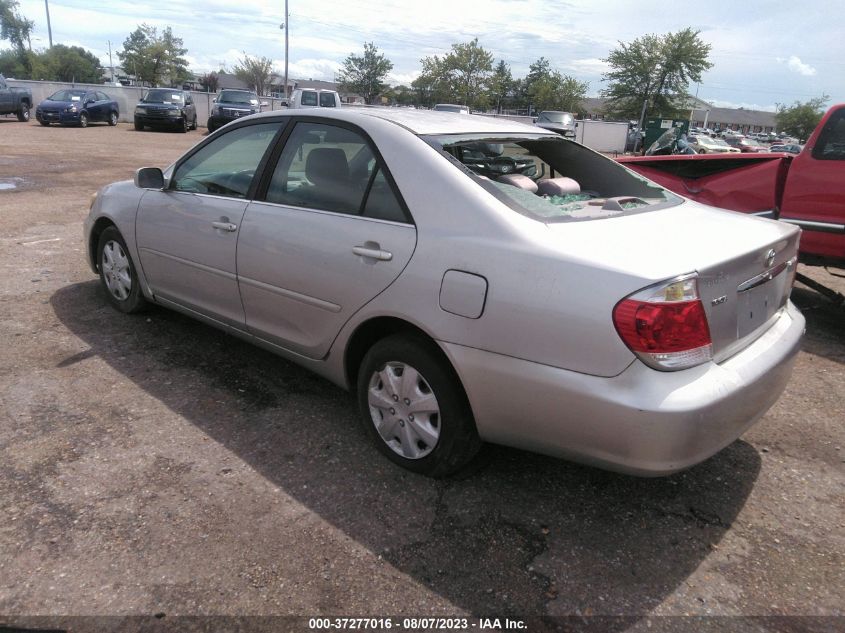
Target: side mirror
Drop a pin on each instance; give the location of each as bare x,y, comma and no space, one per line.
214,100
149,178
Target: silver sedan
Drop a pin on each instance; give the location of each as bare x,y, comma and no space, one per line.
473,279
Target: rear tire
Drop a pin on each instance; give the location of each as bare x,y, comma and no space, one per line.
413,407
184,127
83,119
117,273
194,124
23,113
113,119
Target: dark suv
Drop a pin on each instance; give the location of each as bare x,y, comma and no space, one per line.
166,107
231,105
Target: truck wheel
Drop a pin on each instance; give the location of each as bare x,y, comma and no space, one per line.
23,113
184,126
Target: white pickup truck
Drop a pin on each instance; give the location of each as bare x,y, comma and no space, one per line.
314,98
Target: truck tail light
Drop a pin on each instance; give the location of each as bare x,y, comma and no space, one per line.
665,325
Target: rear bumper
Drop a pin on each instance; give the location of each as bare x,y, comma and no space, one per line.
641,422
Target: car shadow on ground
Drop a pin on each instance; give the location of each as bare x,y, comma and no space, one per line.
519,534
825,334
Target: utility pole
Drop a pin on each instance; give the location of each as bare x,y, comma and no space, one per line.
287,19
49,30
111,65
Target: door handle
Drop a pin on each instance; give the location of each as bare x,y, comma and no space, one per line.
373,253
225,226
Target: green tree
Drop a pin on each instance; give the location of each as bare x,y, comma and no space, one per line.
155,59
800,119
656,69
17,29
461,75
471,66
67,63
501,84
557,92
434,83
254,72
364,74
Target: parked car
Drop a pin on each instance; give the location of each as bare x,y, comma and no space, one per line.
744,144
77,107
790,148
17,101
582,311
314,98
561,122
706,145
230,105
166,107
451,107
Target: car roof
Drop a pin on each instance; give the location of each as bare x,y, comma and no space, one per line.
421,122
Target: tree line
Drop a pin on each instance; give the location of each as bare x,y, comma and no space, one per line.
649,75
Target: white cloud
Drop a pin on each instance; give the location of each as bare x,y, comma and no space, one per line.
796,65
324,69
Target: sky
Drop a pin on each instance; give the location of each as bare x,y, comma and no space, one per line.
763,52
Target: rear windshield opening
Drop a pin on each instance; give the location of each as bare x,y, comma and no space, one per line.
552,179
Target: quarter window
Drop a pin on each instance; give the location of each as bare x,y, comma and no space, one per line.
227,165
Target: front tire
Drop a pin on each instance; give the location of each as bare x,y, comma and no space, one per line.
23,113
139,127
45,123
413,407
183,126
117,273
210,126
194,124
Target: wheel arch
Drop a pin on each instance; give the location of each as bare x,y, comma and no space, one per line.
100,225
375,329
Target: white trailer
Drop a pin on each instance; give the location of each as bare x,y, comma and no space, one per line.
602,136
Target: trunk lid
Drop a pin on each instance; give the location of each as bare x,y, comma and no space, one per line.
745,264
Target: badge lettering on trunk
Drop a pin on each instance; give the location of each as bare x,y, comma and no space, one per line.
770,257
719,300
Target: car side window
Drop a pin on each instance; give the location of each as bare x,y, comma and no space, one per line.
831,143
309,98
327,100
322,167
227,165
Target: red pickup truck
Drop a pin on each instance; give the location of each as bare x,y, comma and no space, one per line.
807,190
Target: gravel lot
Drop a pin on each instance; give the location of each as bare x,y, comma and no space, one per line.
152,465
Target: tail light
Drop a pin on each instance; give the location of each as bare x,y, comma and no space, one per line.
665,325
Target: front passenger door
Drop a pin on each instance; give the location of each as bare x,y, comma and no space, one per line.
187,234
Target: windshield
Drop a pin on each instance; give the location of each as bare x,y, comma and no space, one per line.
237,96
555,117
163,96
66,95
551,179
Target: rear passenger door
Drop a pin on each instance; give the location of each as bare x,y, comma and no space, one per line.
326,234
